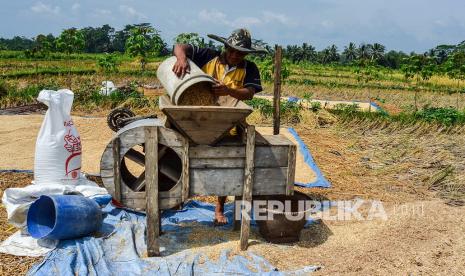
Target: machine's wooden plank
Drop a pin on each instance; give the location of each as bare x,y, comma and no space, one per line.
229,182
116,169
291,170
163,203
204,124
136,156
166,106
216,152
206,163
248,186
235,151
174,192
185,173
265,157
151,176
275,140
139,184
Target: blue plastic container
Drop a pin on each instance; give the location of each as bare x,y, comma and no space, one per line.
62,217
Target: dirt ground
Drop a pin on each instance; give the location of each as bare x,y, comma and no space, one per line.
425,226
18,134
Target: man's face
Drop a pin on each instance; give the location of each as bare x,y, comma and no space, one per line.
234,57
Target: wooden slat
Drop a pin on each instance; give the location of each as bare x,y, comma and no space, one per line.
185,172
151,176
277,90
163,203
265,157
116,169
136,156
139,184
174,192
216,152
229,182
169,172
275,140
248,186
291,170
209,163
165,104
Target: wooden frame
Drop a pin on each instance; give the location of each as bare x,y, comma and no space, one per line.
264,165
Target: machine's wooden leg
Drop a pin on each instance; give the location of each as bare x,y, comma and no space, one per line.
248,186
151,180
116,168
291,170
185,173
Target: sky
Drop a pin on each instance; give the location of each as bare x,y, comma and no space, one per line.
407,25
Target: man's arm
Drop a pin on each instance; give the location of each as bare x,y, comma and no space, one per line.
181,67
246,93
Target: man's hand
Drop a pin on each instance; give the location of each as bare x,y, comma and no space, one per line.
181,67
220,89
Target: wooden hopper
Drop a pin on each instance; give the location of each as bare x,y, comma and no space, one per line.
204,125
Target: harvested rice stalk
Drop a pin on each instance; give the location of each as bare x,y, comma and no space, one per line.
198,94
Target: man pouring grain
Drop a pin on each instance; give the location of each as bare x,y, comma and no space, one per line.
235,76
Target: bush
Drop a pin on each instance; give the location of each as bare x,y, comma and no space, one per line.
443,115
3,89
315,106
290,111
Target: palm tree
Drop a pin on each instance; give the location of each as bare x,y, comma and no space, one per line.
377,51
308,52
364,51
325,55
350,52
333,54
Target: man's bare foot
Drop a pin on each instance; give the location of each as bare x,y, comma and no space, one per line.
220,219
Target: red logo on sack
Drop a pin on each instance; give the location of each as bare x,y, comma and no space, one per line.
72,145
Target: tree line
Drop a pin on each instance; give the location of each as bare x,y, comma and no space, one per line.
143,40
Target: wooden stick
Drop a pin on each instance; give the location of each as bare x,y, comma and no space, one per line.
151,180
185,172
116,168
248,186
277,89
291,170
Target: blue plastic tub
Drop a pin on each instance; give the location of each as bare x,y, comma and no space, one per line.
61,217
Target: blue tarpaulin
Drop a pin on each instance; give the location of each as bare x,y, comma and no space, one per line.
303,149
119,248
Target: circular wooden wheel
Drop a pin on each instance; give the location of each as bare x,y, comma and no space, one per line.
171,153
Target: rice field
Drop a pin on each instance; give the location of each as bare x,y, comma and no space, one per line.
390,89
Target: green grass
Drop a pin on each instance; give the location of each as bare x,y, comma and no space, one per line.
438,116
86,96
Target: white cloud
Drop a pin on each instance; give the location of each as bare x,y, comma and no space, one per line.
326,23
42,8
440,22
213,16
131,12
266,17
269,16
102,12
245,22
75,7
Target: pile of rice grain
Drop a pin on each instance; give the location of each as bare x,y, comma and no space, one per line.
199,94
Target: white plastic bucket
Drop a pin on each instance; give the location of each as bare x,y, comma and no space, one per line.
176,86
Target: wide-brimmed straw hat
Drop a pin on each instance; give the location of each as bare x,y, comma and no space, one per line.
240,40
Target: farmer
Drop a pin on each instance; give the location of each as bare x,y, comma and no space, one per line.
235,76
